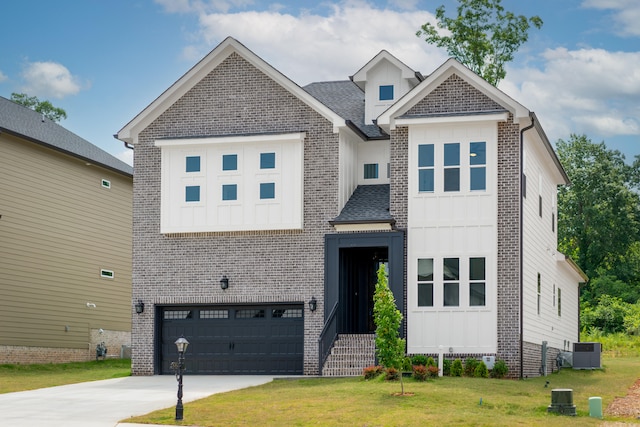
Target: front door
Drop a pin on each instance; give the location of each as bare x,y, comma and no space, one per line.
358,277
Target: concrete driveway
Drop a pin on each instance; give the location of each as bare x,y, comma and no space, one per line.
104,403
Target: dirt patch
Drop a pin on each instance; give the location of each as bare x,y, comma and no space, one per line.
627,406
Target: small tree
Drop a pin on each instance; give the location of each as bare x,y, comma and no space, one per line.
389,346
483,36
45,108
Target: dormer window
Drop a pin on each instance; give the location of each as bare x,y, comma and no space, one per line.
386,93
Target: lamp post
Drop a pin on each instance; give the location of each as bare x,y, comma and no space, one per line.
178,368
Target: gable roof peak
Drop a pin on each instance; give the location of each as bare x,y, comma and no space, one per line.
360,77
129,133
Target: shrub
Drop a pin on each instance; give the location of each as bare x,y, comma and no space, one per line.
371,372
392,374
420,373
446,367
470,366
419,359
500,369
433,371
431,361
406,364
456,368
481,370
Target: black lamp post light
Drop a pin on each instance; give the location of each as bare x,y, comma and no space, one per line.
224,282
178,368
313,304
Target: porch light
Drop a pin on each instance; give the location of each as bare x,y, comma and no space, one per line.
139,307
313,304
224,282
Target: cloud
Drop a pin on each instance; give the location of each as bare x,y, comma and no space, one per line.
126,156
3,77
49,79
312,47
591,91
626,14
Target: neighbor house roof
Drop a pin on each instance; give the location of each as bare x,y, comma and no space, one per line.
368,203
23,122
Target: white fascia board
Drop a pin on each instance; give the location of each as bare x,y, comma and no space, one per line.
499,117
361,74
388,121
131,130
184,142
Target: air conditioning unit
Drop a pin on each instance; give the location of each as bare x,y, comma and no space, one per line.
586,355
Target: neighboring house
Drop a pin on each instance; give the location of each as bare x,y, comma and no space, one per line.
257,201
65,243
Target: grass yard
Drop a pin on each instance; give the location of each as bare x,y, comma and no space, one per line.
30,377
445,401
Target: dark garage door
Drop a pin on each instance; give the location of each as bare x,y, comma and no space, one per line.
235,340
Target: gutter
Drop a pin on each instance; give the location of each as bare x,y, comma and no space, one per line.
522,131
126,144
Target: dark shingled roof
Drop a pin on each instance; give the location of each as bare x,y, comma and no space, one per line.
368,203
24,122
346,99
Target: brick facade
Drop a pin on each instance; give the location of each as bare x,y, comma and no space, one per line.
234,99
454,95
114,341
509,249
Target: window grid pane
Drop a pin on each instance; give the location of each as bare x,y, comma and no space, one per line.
192,193
371,171
425,155
268,190
452,154
425,270
214,314
386,93
452,179
478,153
425,294
451,295
478,179
476,294
267,160
230,162
451,269
193,164
229,192
425,180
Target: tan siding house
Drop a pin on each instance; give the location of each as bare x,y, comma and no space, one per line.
65,243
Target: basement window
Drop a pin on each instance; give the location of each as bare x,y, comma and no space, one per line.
106,274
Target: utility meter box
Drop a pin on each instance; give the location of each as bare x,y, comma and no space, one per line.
489,361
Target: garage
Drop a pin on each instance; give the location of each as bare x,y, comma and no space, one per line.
234,339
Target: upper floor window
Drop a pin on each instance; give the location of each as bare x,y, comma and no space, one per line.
192,193
230,162
425,168
425,282
193,164
478,166
229,192
559,302
452,167
267,160
539,292
371,171
267,190
477,289
386,93
451,282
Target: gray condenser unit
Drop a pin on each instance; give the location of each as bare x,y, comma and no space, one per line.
586,355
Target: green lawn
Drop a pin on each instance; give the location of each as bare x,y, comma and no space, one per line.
444,401
30,377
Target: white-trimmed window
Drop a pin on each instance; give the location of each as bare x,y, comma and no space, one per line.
477,166
559,302
539,292
107,274
425,282
451,163
426,168
238,183
106,183
371,171
452,283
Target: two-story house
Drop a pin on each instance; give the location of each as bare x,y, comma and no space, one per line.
65,243
262,211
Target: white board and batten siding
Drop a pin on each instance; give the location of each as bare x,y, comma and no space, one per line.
543,321
247,210
462,225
